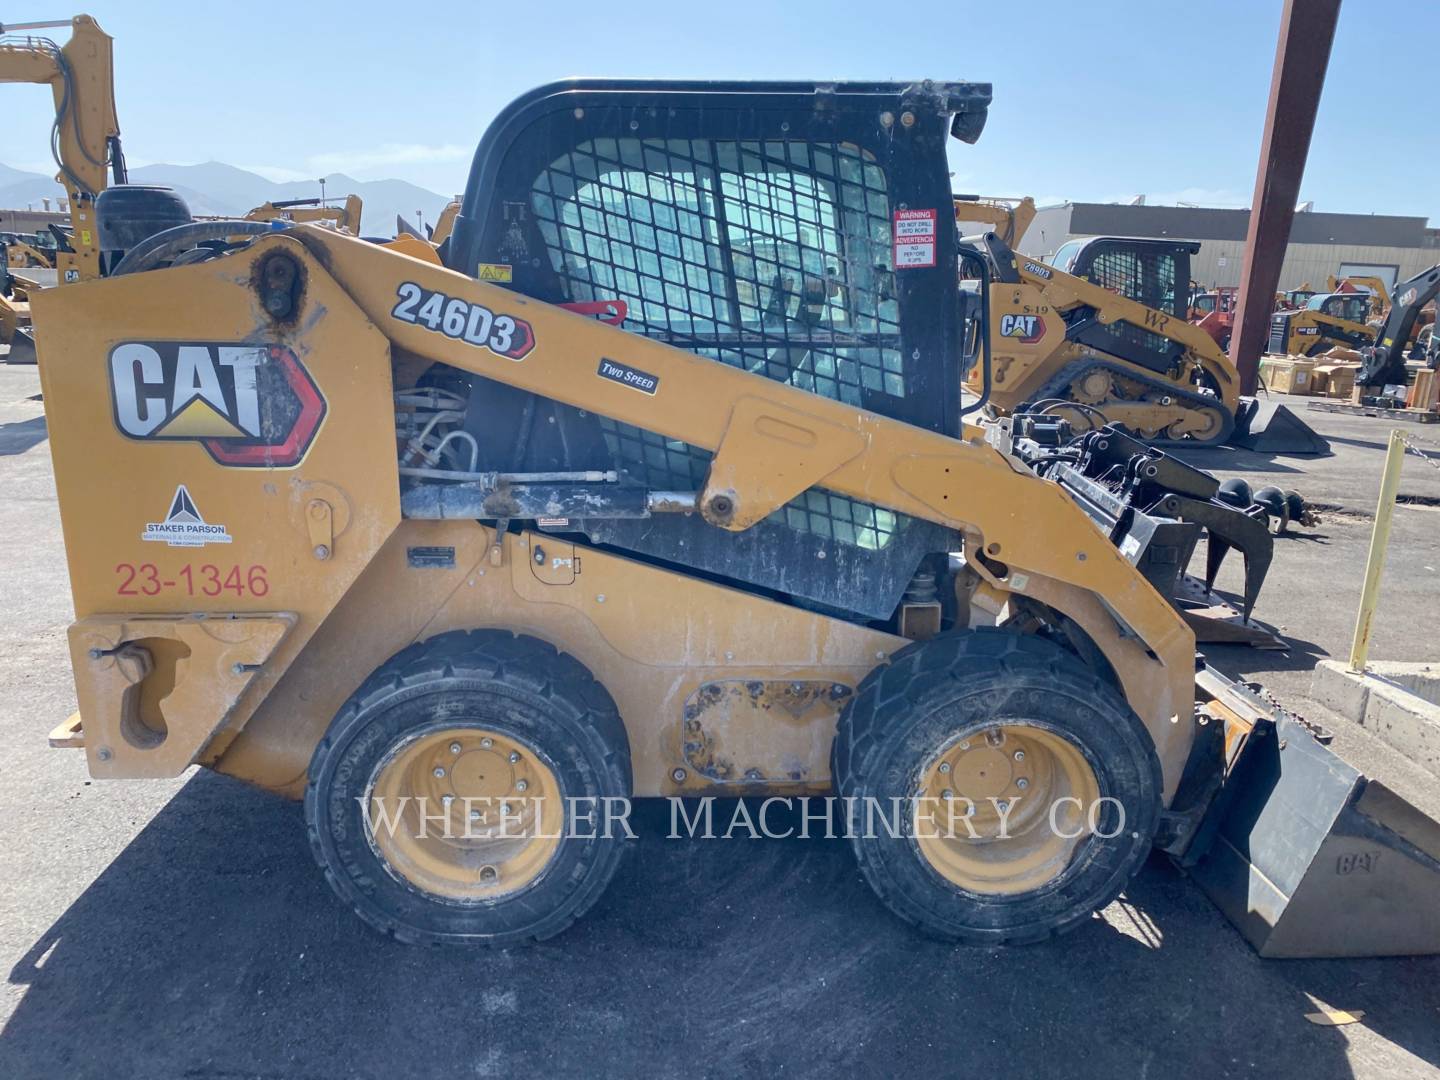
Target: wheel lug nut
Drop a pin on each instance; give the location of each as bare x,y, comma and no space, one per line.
439,772
505,808
1019,755
487,742
446,800
944,766
965,745
514,757
947,794
454,747
1022,783
521,785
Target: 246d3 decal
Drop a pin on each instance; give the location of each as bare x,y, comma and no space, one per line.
250,406
504,335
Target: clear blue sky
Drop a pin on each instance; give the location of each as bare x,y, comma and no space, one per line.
1094,99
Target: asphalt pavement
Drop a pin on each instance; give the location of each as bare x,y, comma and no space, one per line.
180,928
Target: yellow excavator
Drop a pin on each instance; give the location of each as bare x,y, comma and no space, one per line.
85,142
86,135
1375,286
463,570
1007,218
87,149
302,211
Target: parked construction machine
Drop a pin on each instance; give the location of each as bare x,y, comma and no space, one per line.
86,136
19,253
1007,218
1326,320
1398,339
1213,311
1378,291
1101,334
345,216
464,569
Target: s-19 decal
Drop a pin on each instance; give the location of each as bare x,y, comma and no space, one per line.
504,335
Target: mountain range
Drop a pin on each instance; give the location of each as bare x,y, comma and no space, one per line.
217,189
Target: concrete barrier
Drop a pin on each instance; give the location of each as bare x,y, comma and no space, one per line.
1396,701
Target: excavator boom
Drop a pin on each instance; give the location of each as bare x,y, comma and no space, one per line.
80,75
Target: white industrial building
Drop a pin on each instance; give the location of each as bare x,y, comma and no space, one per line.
1384,245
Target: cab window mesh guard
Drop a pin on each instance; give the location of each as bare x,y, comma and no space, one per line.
1145,277
772,257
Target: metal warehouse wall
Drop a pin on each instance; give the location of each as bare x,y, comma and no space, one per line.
30,221
1319,243
1219,261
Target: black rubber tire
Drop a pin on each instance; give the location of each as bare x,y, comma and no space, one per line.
933,691
520,687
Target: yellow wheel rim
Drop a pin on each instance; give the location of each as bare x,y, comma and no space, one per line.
1038,782
464,813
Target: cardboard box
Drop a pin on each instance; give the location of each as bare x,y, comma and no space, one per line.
1288,375
1424,393
1335,380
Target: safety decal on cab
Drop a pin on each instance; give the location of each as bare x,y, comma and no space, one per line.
504,335
915,232
1026,329
249,406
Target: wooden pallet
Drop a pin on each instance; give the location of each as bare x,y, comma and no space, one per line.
1414,416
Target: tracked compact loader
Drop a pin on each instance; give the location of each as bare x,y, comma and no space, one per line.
1102,335
422,540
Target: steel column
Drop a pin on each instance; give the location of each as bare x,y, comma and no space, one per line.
1307,29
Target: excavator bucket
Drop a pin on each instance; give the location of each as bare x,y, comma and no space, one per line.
1306,855
1274,429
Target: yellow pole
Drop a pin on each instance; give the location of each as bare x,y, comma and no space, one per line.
1379,542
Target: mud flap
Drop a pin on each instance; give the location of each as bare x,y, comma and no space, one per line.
1274,429
22,347
1309,858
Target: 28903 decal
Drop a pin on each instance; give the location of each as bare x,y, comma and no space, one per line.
504,335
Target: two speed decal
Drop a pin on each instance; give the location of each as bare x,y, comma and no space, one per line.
503,335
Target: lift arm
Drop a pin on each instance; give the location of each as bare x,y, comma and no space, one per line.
86,136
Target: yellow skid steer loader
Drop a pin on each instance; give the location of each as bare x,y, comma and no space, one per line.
464,568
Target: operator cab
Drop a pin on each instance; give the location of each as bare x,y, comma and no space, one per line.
801,231
1152,272
1354,307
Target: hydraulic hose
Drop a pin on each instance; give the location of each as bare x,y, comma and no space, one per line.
971,254
165,246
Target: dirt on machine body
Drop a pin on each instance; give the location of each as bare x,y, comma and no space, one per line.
654,479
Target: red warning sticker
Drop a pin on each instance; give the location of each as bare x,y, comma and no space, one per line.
915,238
